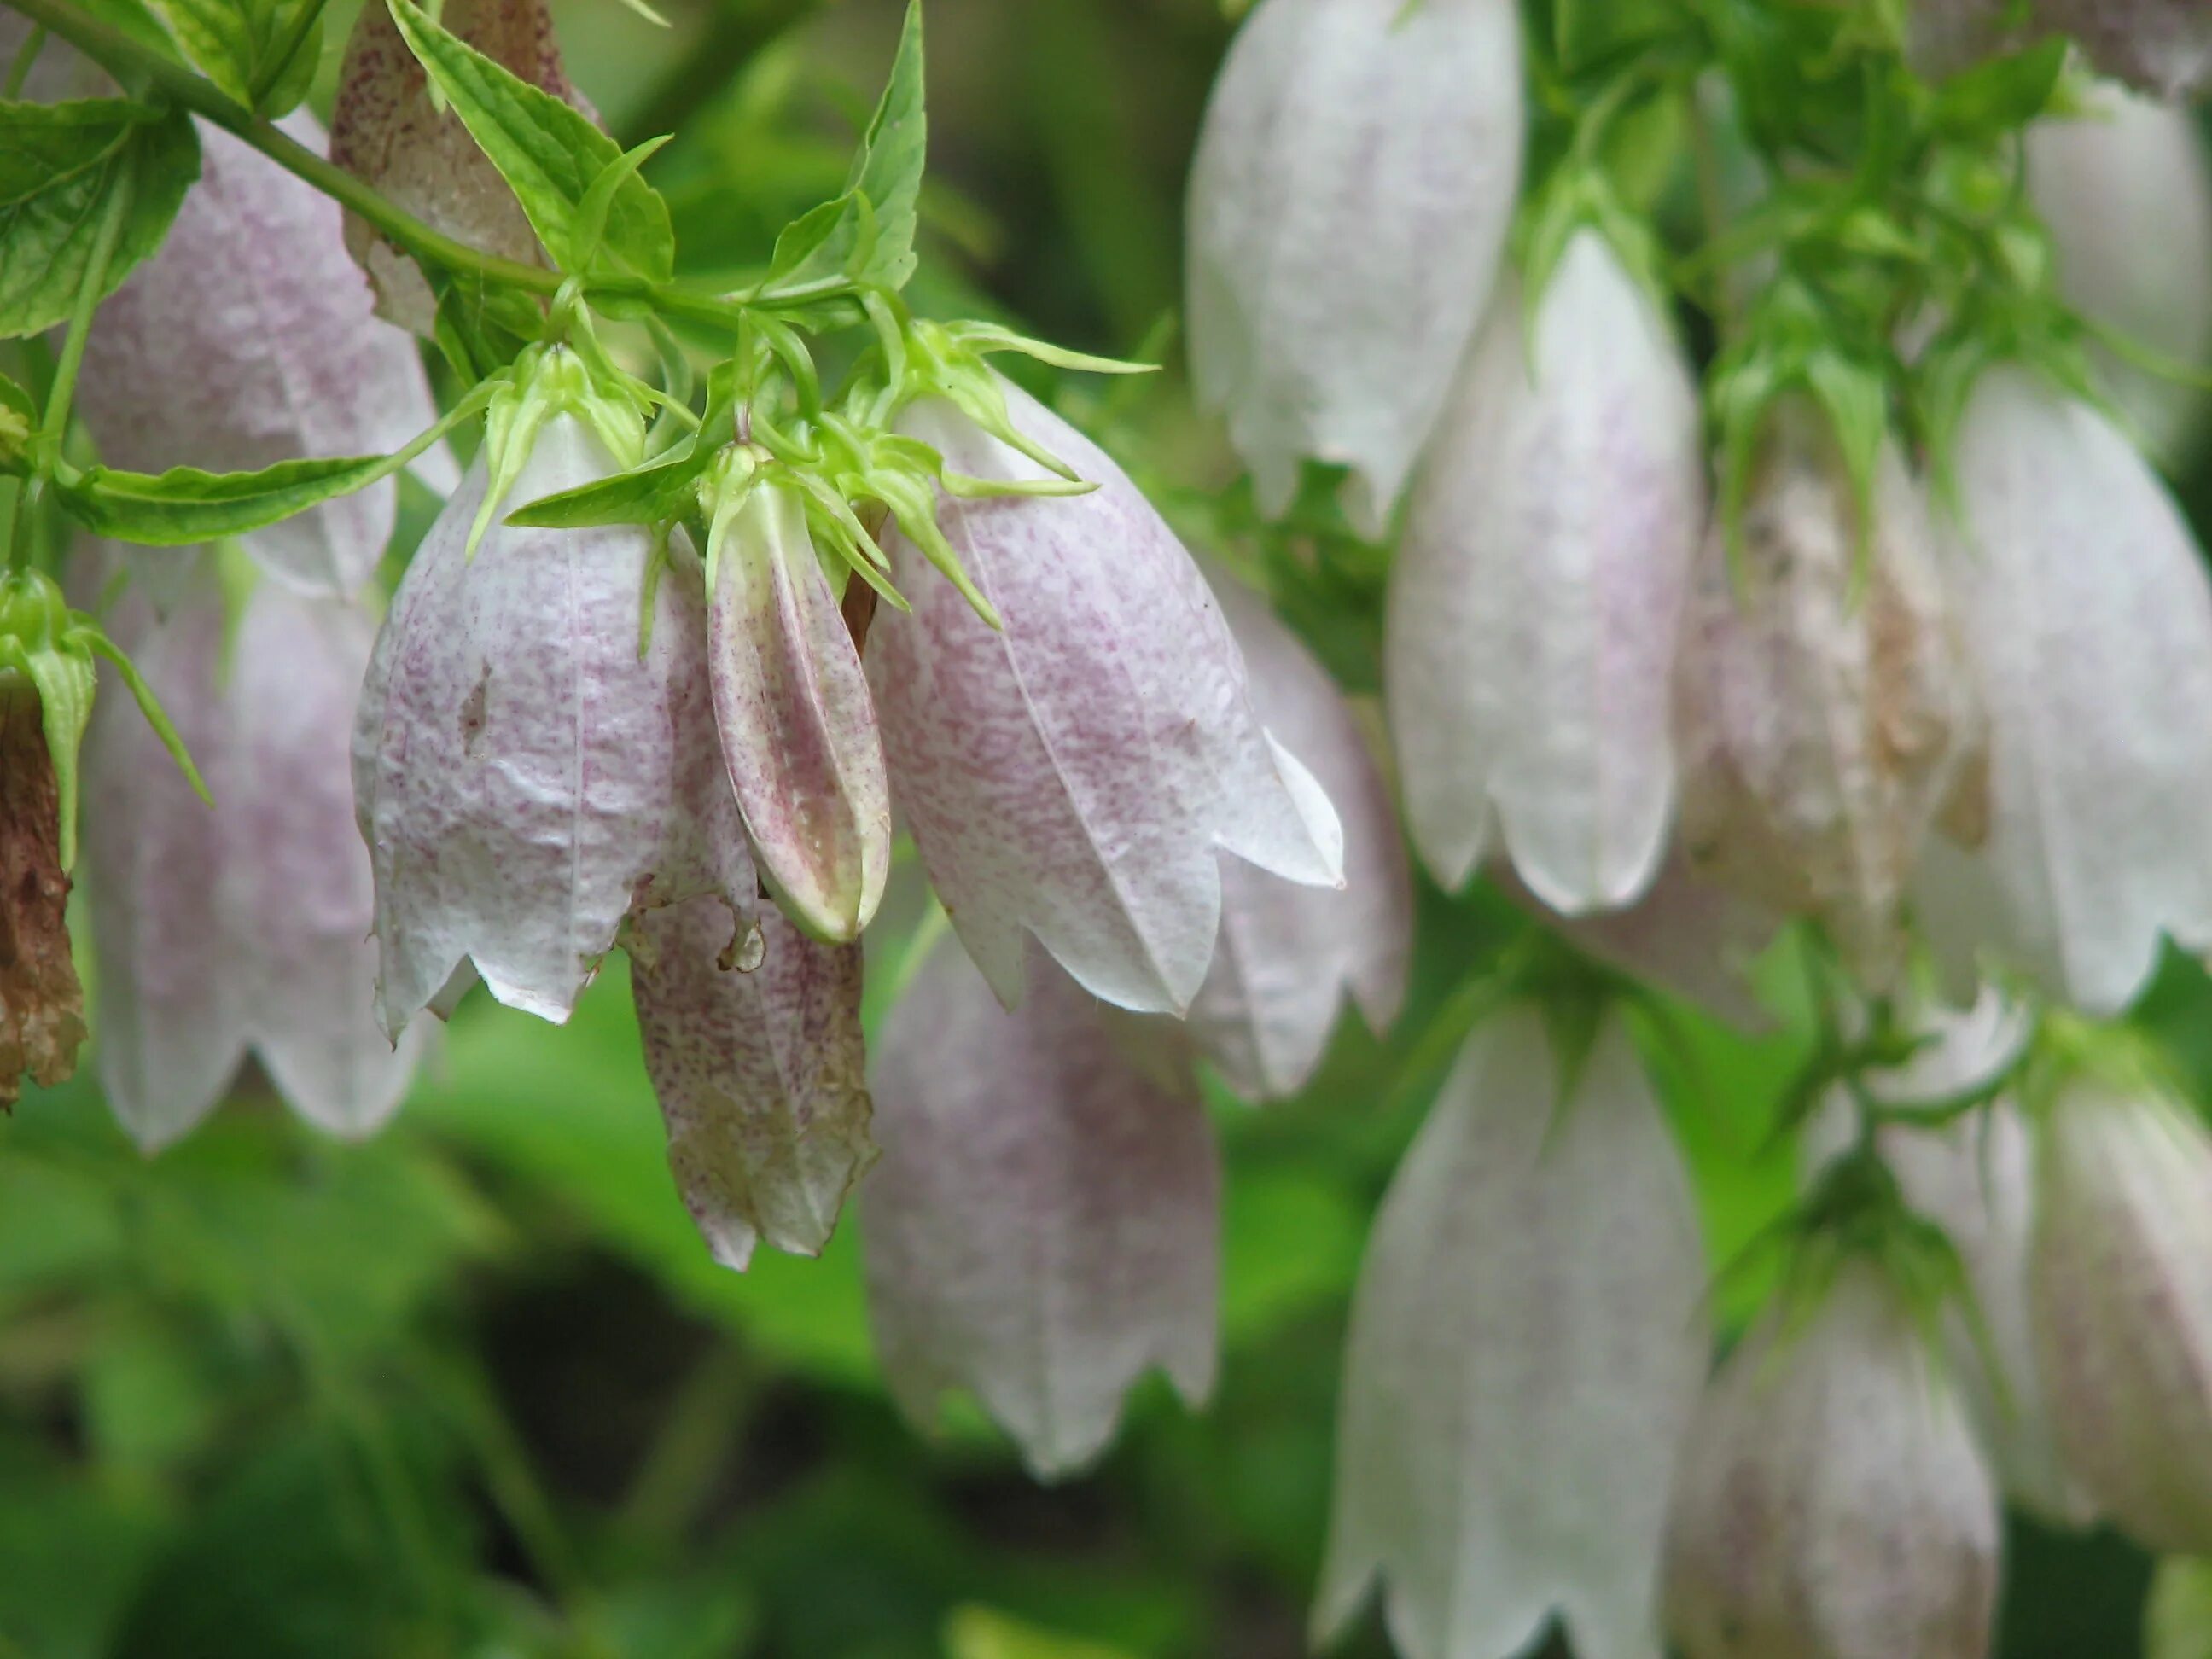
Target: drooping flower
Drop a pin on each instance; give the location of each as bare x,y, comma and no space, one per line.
1527,1347
1351,193
1537,596
1288,955
2126,194
2122,1288
248,340
386,130
1831,1503
760,1075
526,769
240,927
1043,1228
1823,702
41,1004
1076,774
2084,604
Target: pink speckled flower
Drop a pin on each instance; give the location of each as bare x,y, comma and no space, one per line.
1076,775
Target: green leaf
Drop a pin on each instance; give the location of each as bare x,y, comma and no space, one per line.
288,83
19,419
217,37
651,495
549,154
59,164
888,170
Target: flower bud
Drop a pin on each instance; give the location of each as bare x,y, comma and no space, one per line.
1288,955
1831,1503
2122,1298
1537,597
798,730
41,1004
1822,700
1527,1341
1352,187
2096,796
761,1073
247,340
1043,1226
526,769
1076,773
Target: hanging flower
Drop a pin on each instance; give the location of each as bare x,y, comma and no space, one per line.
1831,1503
1527,1347
1076,773
1537,597
1351,194
1044,1227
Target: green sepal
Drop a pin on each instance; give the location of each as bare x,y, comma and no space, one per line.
19,421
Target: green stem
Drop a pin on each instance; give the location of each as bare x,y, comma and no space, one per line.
303,24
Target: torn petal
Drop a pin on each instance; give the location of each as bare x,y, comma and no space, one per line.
1044,1227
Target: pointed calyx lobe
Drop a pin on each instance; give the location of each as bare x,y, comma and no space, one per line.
762,1075
385,131
1353,188
1536,599
1072,775
523,774
1526,1351
248,340
1043,1226
797,728
41,1004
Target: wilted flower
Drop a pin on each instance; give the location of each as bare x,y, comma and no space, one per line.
760,1075
1288,955
1352,187
248,340
1537,597
2122,1287
1043,1226
387,130
1527,1347
1823,702
41,1004
243,926
1831,1503
527,769
1077,773
2085,608
2127,197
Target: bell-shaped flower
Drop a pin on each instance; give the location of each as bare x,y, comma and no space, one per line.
1288,955
1353,188
387,129
1832,1502
1528,1343
248,340
791,702
1537,595
242,927
1043,1226
1823,702
1075,773
761,1072
2122,1298
532,761
2124,190
2084,604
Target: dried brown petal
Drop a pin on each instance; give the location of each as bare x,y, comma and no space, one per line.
41,1004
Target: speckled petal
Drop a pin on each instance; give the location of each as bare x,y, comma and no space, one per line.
248,340
1537,595
2085,605
1528,1342
297,891
1352,190
1831,1503
1288,955
523,777
761,1076
797,728
1073,774
1043,1226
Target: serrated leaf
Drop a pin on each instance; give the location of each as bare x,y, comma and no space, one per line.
888,170
549,154
651,495
217,37
59,165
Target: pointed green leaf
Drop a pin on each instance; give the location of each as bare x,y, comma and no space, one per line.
217,37
651,495
888,170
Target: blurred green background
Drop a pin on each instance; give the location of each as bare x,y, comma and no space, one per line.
475,1387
